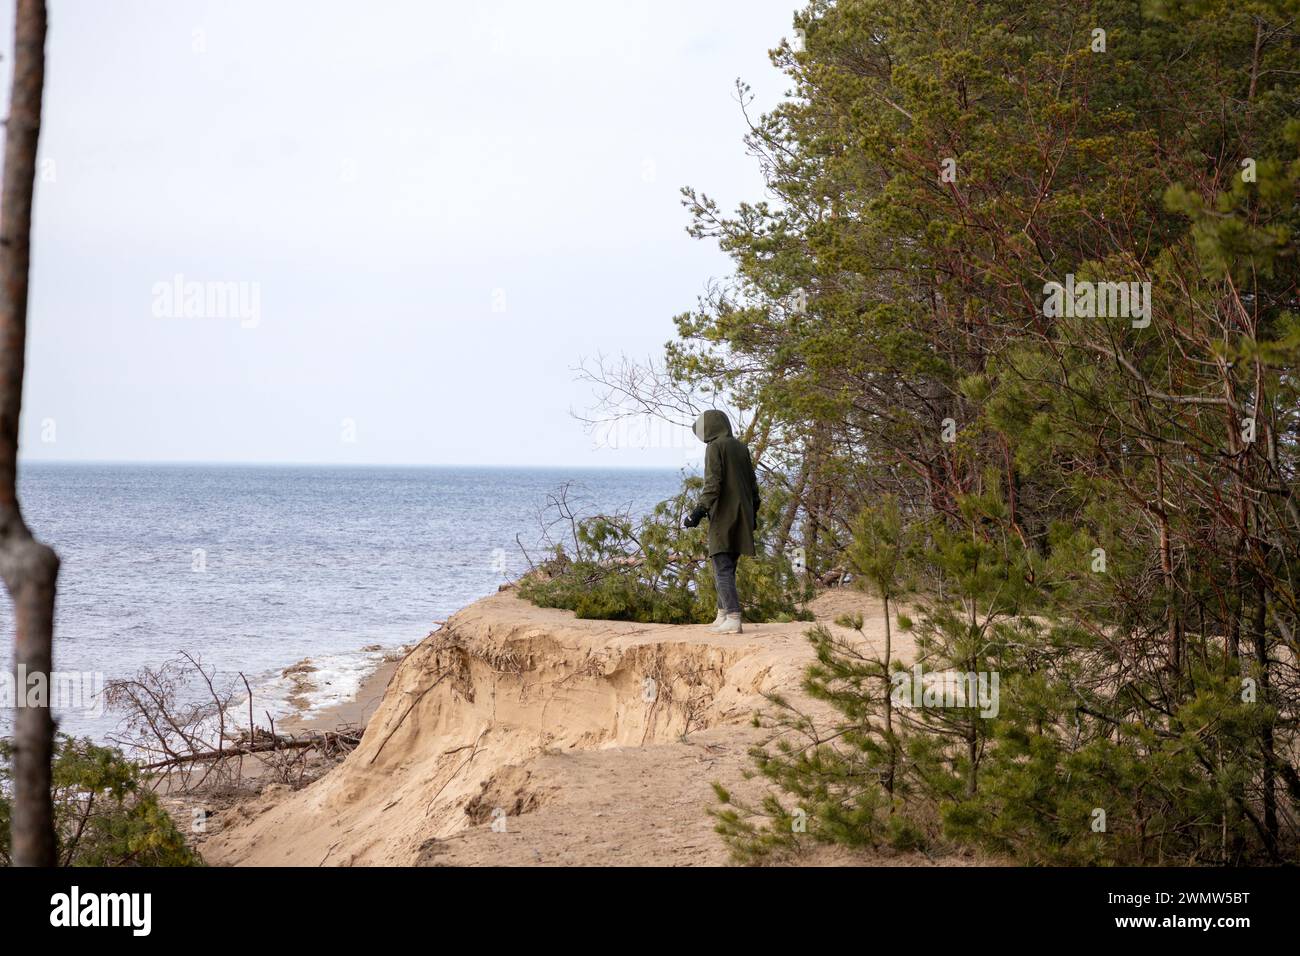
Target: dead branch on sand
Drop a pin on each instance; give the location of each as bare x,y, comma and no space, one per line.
179,721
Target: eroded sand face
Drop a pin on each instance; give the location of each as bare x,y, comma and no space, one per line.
518,734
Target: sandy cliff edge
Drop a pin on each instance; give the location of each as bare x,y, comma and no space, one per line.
522,735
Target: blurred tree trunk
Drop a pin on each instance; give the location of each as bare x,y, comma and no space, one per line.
29,568
791,510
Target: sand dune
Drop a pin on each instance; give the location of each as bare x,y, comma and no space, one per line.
520,735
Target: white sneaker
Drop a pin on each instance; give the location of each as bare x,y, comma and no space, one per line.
717,621
730,626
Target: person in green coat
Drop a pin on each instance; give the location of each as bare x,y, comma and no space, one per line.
730,502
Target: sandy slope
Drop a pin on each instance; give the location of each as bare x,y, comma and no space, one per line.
587,742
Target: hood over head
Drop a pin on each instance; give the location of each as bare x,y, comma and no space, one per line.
712,424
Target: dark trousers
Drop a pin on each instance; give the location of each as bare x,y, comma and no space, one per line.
724,574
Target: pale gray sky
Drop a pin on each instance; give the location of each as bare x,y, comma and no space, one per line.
436,208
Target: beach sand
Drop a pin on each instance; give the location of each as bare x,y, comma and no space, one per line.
518,735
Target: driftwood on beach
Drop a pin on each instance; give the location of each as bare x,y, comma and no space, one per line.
330,742
191,742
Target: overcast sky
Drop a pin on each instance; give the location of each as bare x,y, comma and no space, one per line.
430,212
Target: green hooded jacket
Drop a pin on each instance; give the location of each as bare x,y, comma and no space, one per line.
730,489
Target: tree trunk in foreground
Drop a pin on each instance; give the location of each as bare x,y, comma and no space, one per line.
29,568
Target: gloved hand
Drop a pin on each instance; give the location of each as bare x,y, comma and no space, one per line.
695,517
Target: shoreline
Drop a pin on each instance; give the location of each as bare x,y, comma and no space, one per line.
256,779
356,711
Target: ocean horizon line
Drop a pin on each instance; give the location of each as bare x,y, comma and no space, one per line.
414,466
